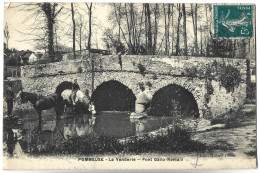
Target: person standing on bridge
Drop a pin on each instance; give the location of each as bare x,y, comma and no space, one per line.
120,60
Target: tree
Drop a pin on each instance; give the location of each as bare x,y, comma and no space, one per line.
80,32
149,33
195,26
89,44
89,25
6,35
156,16
51,14
172,29
184,30
126,16
45,16
177,46
74,31
201,45
165,30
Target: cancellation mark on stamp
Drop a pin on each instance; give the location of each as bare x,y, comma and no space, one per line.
233,20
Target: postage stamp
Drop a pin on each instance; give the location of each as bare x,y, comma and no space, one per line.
233,20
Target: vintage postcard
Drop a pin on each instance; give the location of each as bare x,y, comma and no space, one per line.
129,86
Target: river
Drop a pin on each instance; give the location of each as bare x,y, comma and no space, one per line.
114,124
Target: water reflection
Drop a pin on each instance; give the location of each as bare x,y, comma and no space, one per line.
150,124
118,125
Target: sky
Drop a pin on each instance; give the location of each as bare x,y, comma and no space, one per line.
18,23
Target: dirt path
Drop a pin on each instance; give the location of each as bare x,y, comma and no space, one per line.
237,139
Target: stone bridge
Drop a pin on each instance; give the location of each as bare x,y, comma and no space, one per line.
193,75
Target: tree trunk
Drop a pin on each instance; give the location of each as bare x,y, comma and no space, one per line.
172,30
6,35
119,23
118,17
80,37
133,28
168,28
165,30
89,27
201,45
195,28
150,44
49,11
50,39
145,25
89,46
178,31
155,28
56,40
74,31
234,48
130,46
207,35
184,30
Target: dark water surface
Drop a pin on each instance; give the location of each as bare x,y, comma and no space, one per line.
115,124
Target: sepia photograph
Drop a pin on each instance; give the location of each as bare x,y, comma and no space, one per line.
90,85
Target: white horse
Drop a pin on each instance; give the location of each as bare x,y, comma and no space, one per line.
80,98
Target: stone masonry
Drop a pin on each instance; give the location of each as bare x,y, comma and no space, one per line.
160,71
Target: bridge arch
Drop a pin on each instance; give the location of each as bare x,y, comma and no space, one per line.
174,97
112,95
192,92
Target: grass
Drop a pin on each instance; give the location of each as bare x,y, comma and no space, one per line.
251,153
233,119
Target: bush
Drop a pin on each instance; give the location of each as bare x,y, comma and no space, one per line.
210,91
193,71
251,91
79,70
230,78
141,68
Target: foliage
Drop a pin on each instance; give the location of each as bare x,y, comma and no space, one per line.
155,76
192,71
141,85
219,47
209,90
251,91
79,69
141,68
207,98
230,78
112,42
207,114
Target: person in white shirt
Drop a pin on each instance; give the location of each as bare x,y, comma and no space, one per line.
93,113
